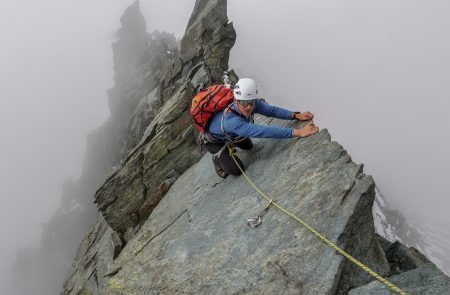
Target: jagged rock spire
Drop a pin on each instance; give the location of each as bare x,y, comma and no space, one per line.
132,40
128,196
133,23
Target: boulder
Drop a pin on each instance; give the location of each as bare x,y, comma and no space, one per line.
426,279
403,258
410,270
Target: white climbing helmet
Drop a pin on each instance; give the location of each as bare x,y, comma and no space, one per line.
245,89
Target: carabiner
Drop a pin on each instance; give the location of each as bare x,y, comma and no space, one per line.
256,221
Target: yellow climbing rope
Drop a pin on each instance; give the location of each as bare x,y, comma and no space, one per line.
324,239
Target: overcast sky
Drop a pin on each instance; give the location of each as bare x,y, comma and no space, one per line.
55,68
375,73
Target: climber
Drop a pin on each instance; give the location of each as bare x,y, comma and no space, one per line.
235,126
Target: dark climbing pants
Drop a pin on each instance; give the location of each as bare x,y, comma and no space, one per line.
226,162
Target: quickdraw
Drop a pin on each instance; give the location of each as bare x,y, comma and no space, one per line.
256,221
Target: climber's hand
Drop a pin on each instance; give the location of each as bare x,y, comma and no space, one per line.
306,116
306,131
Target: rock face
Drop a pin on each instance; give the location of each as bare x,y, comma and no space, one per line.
170,225
167,146
206,43
412,271
196,240
429,239
139,60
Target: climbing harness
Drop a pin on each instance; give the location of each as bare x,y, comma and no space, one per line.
206,137
203,139
256,221
315,232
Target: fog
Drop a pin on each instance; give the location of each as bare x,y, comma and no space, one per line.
375,73
55,68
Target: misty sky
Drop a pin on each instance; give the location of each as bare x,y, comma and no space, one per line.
375,73
55,68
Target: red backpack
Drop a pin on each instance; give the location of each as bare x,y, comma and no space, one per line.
206,103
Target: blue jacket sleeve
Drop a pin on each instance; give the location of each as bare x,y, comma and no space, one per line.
268,110
237,126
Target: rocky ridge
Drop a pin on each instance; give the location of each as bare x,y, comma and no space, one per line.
167,147
196,240
424,236
169,225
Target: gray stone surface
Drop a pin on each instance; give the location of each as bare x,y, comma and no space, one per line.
170,225
209,24
426,279
142,116
196,240
402,258
208,39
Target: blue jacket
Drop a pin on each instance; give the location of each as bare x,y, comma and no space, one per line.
235,125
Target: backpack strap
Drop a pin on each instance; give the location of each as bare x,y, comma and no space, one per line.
227,136
240,115
215,91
